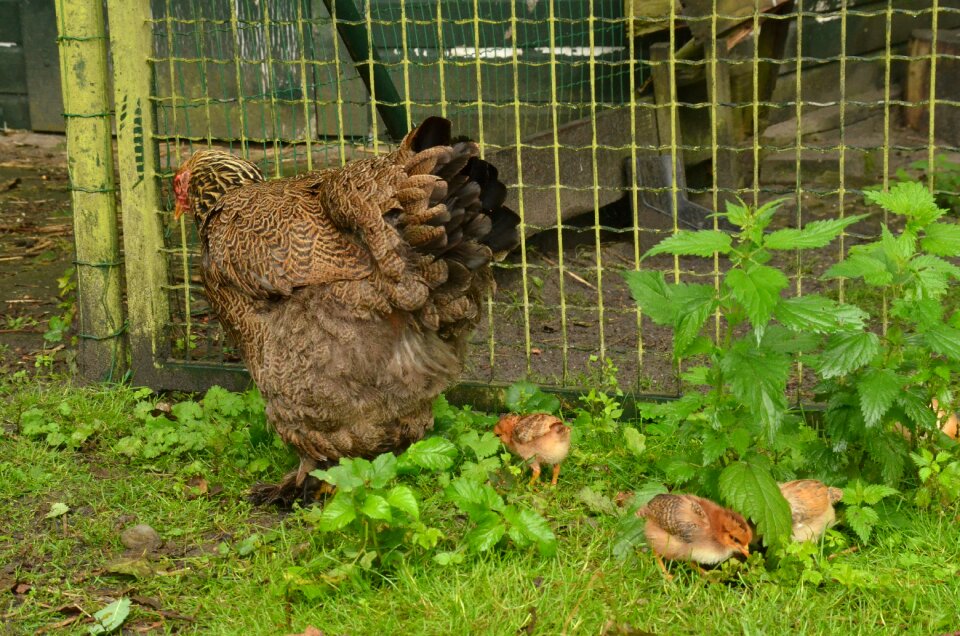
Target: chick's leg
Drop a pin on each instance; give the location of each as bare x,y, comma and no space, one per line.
535,467
556,474
663,568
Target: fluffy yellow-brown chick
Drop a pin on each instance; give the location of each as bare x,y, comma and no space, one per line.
691,528
536,438
811,506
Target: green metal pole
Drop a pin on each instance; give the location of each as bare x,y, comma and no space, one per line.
389,103
83,67
146,267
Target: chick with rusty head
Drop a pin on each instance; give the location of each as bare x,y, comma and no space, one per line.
691,528
811,507
537,438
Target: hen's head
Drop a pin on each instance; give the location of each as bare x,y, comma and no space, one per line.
203,178
504,428
732,531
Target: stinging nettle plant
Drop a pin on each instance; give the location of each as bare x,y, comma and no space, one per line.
739,435
877,375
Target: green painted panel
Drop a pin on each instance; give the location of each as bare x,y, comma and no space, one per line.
14,112
13,79
10,21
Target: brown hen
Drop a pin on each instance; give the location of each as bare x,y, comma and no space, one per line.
350,292
691,528
536,438
811,507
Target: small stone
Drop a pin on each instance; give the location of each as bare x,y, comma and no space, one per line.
140,538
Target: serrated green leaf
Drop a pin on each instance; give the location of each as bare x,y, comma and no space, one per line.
944,340
111,617
846,352
861,520
343,476
337,513
597,503
652,294
861,265
525,397
488,531
636,443
714,446
737,213
818,314
629,535
758,377
483,446
376,507
402,498
693,243
757,289
448,558
695,303
910,199
187,412
534,527
941,239
812,235
475,498
752,490
433,453
383,470
877,388
677,470
874,493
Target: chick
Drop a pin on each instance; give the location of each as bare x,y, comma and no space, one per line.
811,506
536,438
690,528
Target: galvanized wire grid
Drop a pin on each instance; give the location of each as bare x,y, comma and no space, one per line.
274,82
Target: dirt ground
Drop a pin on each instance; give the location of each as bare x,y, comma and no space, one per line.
36,242
36,249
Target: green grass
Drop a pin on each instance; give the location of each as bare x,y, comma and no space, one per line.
906,581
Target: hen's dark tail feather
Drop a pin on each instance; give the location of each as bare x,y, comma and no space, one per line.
478,226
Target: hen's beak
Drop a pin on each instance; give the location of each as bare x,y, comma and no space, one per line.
177,211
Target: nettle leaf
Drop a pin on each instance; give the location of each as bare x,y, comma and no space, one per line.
737,213
758,378
933,274
636,442
941,239
678,470
693,243
910,199
383,470
433,453
533,527
878,388
758,289
861,520
337,513
653,295
846,352
489,530
525,397
818,314
861,265
812,235
944,340
694,304
873,493
376,507
714,446
897,248
752,490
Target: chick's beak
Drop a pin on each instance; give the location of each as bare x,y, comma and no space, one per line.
744,550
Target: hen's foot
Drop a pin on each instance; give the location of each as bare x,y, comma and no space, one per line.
282,495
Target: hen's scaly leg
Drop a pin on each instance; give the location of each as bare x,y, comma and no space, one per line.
556,474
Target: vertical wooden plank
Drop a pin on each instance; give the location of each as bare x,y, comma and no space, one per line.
147,304
83,64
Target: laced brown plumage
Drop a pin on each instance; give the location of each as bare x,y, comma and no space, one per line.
350,291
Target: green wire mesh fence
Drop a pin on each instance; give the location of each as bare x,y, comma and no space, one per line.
614,122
